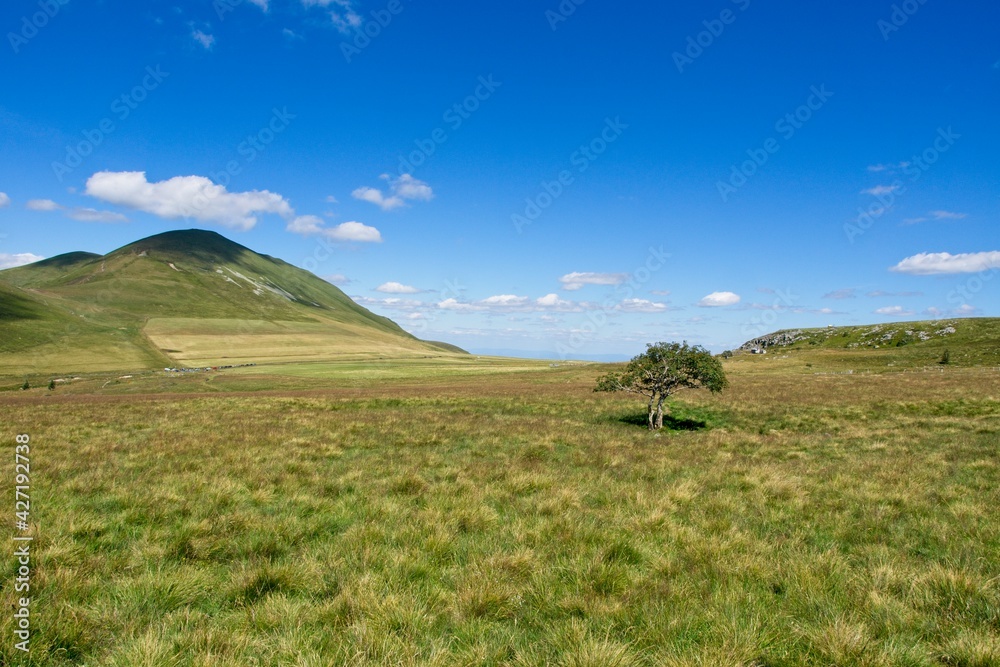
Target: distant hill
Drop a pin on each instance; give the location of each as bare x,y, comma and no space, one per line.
969,341
182,298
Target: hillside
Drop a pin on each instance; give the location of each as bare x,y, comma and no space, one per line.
184,298
968,341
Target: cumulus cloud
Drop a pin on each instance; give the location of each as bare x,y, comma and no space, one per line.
929,264
204,39
574,281
893,310
396,288
356,232
42,205
401,190
720,299
187,197
8,261
306,225
4,200
552,301
455,304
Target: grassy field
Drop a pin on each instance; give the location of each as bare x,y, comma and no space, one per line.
498,512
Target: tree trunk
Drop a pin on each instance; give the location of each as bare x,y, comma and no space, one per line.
650,415
659,413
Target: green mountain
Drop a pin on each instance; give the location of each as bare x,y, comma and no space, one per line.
182,298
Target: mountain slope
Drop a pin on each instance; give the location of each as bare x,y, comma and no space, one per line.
182,298
969,341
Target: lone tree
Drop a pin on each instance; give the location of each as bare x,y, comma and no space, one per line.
662,370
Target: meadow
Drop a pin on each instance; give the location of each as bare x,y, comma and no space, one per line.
498,512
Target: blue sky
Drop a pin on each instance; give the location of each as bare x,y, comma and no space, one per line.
570,178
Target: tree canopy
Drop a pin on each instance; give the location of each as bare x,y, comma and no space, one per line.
662,370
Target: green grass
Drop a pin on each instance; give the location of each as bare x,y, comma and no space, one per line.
507,515
875,348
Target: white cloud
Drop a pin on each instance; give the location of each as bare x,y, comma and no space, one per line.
187,197
403,189
893,310
847,293
937,215
42,205
879,190
574,281
965,309
337,279
719,299
375,196
877,168
455,304
343,15
263,4
928,264
947,215
396,288
4,200
642,306
93,215
331,200
77,213
505,301
311,225
552,301
392,303
877,294
408,187
8,261
307,225
204,39
354,231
